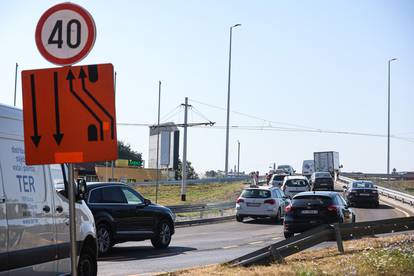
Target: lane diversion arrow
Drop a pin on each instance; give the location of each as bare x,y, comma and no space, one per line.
82,76
35,138
70,77
58,135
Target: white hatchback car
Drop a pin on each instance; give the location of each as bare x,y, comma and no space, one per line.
261,202
295,184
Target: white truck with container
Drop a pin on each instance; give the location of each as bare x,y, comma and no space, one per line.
327,161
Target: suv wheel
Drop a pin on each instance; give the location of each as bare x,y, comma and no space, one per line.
87,263
105,241
288,235
239,218
163,237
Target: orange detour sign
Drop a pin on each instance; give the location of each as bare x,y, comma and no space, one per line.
69,114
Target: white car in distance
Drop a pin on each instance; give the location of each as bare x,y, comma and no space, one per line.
293,185
261,202
287,168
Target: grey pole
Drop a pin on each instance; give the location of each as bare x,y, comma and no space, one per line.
113,162
226,169
72,221
158,142
238,157
389,111
184,165
15,83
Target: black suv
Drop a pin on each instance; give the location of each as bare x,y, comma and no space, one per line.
321,181
311,209
122,214
361,192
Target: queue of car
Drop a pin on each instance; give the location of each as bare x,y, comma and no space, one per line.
304,202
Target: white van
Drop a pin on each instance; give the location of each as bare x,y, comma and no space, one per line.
308,168
34,217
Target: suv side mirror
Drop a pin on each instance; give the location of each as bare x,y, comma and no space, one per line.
147,202
80,189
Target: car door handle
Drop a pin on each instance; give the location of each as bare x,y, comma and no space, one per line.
59,209
46,209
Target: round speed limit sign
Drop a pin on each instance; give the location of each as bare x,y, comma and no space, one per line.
65,34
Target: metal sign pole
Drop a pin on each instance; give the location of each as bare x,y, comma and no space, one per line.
72,221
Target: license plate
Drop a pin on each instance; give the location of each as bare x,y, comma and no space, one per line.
363,194
324,184
313,212
253,204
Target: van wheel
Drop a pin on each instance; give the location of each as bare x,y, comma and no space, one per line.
105,241
163,237
87,263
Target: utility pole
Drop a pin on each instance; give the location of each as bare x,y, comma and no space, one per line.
158,142
15,83
238,157
226,167
184,165
389,111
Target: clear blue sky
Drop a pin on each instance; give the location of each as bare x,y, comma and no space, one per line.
320,64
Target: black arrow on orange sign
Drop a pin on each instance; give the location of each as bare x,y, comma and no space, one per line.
82,76
35,138
70,77
58,135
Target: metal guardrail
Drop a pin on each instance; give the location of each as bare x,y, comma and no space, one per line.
202,208
189,181
396,195
282,249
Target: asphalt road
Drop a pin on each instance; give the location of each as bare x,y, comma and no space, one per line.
208,244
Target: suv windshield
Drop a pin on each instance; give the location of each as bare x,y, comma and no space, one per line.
323,180
255,193
296,183
323,174
362,185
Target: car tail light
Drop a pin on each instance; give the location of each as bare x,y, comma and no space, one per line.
332,208
239,200
270,201
288,208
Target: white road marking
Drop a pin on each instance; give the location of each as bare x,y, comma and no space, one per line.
230,246
402,211
256,242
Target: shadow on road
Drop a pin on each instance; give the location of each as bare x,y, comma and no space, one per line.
266,221
142,252
367,206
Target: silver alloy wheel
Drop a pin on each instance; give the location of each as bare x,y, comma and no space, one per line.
165,233
104,240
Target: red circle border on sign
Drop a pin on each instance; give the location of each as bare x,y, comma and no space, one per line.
89,43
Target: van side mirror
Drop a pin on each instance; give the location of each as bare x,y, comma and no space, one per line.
80,189
345,187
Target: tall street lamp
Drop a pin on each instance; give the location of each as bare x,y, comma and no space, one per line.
389,108
226,170
238,157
